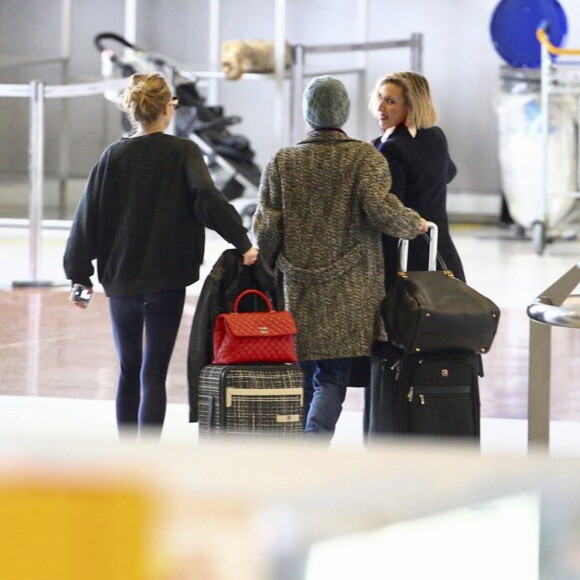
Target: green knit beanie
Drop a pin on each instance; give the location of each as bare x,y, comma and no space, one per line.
325,103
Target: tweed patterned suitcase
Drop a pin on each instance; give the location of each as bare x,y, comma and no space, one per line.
251,400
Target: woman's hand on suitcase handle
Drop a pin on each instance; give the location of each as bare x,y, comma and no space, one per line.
423,227
251,256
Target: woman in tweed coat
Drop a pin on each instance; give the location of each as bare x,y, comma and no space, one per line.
323,206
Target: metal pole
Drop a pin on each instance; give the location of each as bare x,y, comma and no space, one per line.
416,52
131,21
545,63
36,175
279,71
298,57
214,51
363,88
65,141
539,377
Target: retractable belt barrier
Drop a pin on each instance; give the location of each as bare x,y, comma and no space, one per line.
37,92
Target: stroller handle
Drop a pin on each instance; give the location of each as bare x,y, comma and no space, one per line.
111,36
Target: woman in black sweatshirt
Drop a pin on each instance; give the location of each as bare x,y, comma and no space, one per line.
142,217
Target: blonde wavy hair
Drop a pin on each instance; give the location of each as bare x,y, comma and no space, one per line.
422,113
144,98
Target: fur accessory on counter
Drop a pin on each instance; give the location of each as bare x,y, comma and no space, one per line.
249,56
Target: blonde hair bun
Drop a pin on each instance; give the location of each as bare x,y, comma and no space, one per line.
144,98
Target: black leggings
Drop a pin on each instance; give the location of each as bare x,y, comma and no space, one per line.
141,396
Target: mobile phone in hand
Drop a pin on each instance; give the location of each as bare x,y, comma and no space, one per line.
81,294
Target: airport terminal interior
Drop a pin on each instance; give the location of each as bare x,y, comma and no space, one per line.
59,357
76,502
57,417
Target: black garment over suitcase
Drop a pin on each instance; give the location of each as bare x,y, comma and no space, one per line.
424,394
260,400
227,279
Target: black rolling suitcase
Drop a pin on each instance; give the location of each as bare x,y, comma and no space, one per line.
434,394
251,401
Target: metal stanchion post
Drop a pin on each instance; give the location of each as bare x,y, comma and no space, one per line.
297,77
417,52
36,174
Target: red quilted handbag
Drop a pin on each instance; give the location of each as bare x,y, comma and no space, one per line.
254,337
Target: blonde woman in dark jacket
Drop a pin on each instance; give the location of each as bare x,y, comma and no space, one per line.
323,205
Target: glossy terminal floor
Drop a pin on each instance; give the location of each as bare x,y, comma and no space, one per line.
58,365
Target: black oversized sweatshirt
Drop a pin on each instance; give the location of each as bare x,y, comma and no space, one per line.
143,214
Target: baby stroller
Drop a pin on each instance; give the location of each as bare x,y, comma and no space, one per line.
229,157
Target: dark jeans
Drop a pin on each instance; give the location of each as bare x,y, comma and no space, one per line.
145,327
325,383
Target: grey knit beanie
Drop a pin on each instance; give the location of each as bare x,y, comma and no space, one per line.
325,103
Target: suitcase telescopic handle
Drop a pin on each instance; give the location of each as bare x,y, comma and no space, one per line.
433,240
257,293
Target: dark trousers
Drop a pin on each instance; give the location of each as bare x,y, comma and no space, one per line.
325,383
145,327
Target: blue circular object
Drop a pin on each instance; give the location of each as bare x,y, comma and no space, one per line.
513,29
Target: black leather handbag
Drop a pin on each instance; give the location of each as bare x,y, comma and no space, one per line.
432,311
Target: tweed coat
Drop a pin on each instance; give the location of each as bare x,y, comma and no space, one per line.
323,205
